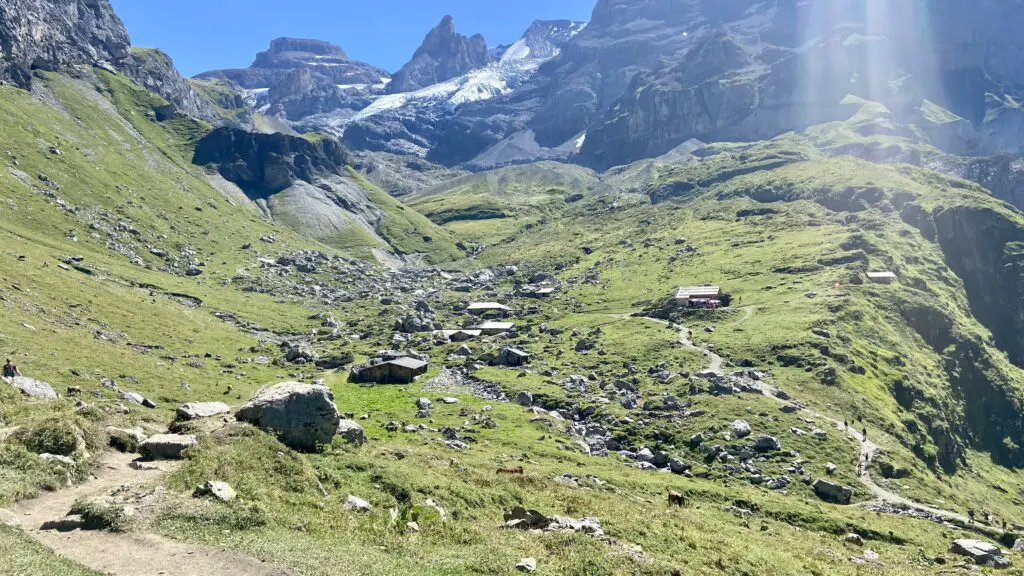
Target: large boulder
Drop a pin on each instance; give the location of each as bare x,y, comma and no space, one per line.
352,432
167,446
767,444
33,388
739,429
219,490
303,416
981,552
197,410
832,492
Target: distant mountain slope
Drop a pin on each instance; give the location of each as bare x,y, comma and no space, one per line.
51,35
444,54
307,186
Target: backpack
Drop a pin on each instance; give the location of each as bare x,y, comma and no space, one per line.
10,370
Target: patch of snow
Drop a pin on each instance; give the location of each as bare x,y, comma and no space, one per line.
352,86
518,51
581,140
577,28
477,85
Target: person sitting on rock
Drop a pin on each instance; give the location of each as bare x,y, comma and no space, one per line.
10,370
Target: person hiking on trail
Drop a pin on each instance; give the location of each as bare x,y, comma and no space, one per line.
970,515
10,370
865,432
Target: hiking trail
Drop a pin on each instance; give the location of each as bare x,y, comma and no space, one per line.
127,554
868,448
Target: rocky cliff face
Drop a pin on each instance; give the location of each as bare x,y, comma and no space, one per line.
623,79
155,71
56,34
265,164
984,246
59,34
544,40
443,55
803,62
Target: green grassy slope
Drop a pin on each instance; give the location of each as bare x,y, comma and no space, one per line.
777,225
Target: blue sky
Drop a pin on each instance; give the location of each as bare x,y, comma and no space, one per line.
203,35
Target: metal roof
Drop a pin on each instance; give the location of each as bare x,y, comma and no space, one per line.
453,332
517,351
698,292
885,274
487,306
496,326
411,363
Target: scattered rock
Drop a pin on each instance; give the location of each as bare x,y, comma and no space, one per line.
982,552
125,439
62,460
33,388
352,432
832,492
303,416
144,466
739,429
527,565
357,504
167,446
8,518
219,490
854,539
767,444
524,399
197,410
524,519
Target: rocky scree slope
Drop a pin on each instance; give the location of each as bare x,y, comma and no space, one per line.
307,185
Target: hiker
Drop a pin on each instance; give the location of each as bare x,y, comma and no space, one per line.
970,515
865,432
10,370
845,424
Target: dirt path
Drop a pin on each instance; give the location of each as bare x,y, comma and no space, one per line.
715,361
748,312
126,554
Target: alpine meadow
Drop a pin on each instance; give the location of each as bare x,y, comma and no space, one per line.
695,287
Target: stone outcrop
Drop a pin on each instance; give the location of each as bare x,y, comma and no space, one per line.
32,388
303,416
154,70
832,492
263,164
58,34
167,446
198,410
444,54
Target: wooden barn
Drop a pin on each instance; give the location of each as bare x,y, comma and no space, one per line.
513,357
397,371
